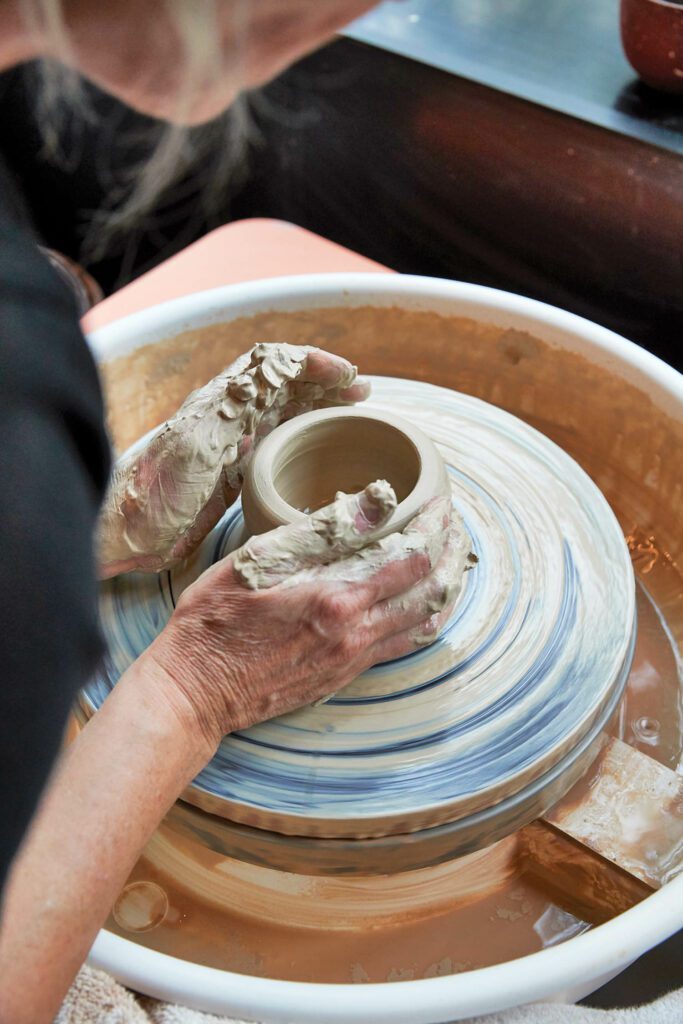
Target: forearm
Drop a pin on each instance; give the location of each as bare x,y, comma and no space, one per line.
109,792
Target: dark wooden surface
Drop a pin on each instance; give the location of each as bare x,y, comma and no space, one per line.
562,54
431,173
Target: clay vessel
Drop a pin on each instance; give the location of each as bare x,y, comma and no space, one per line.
300,466
652,36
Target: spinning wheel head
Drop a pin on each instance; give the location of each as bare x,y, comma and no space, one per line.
481,732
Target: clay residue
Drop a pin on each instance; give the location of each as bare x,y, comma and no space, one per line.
603,415
575,877
562,880
291,555
157,494
630,814
340,529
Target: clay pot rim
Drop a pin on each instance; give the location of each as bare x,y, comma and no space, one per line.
263,492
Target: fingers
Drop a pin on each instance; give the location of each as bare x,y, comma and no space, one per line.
388,567
374,506
435,594
397,562
407,589
413,638
164,499
333,532
427,631
400,625
327,370
444,584
406,642
428,530
357,392
304,394
404,625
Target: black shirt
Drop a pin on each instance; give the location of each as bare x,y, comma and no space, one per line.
54,462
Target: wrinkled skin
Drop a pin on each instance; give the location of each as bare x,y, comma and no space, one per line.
237,656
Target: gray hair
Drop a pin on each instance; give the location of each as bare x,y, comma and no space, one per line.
176,148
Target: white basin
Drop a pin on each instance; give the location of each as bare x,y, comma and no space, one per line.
565,972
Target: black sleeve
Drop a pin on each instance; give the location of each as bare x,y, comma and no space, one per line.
54,463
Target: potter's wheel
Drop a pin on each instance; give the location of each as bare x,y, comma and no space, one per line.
486,728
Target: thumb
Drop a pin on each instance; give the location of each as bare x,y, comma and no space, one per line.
347,525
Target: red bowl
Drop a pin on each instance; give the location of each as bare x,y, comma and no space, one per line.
652,36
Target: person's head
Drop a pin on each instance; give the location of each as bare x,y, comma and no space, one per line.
180,60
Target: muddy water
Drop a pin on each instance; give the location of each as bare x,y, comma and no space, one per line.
651,715
517,918
633,450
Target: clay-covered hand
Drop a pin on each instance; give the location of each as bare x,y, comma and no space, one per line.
163,499
297,613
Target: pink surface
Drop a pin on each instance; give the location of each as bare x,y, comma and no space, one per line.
243,251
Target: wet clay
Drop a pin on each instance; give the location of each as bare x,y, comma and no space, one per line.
329,533
332,533
299,467
295,472
630,811
630,446
157,495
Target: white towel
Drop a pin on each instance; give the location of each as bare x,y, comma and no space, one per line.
95,998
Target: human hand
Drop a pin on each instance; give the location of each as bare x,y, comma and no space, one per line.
299,612
163,499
